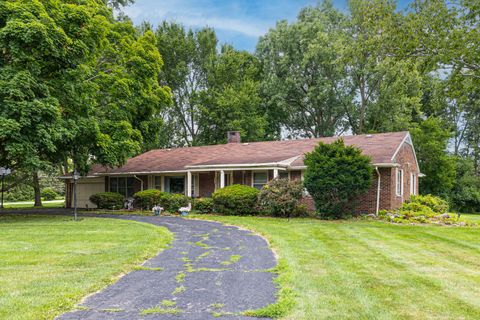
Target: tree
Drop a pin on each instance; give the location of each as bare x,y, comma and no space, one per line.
213,92
465,196
430,138
93,99
187,57
232,101
303,86
336,176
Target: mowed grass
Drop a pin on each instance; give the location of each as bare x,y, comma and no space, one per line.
475,218
29,204
374,270
47,264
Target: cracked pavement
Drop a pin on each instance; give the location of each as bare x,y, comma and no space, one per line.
210,271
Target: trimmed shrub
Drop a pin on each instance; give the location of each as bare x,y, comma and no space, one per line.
107,200
203,205
336,176
49,194
437,204
280,197
171,202
236,199
147,199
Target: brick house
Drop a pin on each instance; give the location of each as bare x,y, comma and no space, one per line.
199,171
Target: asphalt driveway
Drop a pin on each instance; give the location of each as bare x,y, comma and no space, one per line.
210,271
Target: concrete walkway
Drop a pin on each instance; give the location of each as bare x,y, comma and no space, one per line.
210,271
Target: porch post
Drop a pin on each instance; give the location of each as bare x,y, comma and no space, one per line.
275,173
222,179
189,184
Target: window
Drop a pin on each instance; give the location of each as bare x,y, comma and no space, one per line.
158,182
194,185
122,185
284,175
399,187
260,179
413,184
175,184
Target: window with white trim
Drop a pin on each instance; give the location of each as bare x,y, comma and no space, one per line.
259,179
122,185
399,186
413,184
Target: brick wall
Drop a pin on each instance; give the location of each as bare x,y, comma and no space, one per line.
206,183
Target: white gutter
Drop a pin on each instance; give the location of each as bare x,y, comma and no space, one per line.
380,165
378,190
244,165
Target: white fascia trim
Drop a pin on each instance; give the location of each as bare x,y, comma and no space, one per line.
380,165
81,177
242,165
407,136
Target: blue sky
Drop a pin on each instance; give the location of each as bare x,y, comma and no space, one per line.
237,22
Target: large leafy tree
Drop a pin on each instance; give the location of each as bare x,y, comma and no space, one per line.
76,83
213,91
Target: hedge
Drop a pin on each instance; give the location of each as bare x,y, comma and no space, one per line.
203,205
107,200
235,200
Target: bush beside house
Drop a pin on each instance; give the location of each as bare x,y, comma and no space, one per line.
107,200
235,200
280,198
147,199
203,205
336,176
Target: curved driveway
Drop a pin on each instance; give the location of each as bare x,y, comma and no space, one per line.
211,271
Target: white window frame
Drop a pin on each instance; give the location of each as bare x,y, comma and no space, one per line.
253,177
125,187
413,184
195,184
399,179
160,185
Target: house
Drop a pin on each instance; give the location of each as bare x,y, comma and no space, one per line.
199,171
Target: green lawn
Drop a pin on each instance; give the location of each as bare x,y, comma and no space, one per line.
47,264
374,270
475,218
29,204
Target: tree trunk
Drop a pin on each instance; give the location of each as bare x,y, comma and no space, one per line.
36,189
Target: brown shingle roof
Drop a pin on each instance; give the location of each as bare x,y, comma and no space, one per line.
380,147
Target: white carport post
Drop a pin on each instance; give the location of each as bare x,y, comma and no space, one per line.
275,173
222,178
189,184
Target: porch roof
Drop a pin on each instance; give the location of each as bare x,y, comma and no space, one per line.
380,147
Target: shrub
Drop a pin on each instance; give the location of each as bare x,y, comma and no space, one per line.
336,176
437,204
107,200
147,199
203,205
171,202
49,194
235,200
280,197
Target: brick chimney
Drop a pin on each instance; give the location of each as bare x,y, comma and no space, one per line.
233,137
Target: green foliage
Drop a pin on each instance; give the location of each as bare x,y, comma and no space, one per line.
49,194
436,204
107,200
280,197
203,205
19,193
235,200
430,139
465,196
147,199
171,202
336,176
225,94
